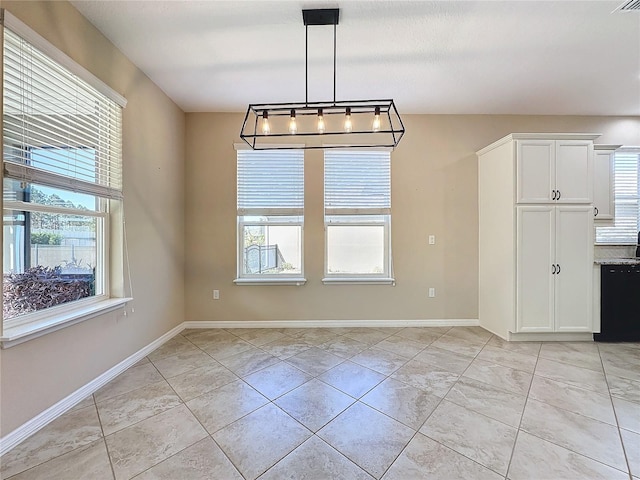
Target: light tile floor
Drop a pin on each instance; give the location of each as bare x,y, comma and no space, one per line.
352,403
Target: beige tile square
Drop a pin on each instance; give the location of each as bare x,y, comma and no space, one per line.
519,361
173,346
574,399
203,337
315,460
525,348
471,334
74,429
314,336
145,444
628,414
91,462
249,361
458,345
369,336
259,440
124,410
578,433
314,361
535,459
631,443
444,359
485,399
477,437
504,378
576,376
367,437
182,363
201,380
343,347
381,361
86,402
314,404
285,347
222,406
201,461
433,380
624,388
227,347
579,354
130,379
404,403
425,336
260,336
351,378
277,379
401,346
425,459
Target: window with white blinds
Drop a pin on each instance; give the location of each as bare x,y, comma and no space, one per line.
270,216
627,200
270,182
357,207
357,182
58,130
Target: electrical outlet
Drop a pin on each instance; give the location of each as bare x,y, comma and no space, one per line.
432,239
432,292
216,294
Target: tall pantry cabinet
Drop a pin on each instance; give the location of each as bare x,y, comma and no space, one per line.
536,234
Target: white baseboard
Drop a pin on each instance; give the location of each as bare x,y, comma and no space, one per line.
43,419
551,337
330,323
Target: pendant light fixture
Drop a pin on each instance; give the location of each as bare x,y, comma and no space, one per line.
351,123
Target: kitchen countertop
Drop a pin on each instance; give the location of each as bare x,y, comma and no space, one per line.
617,261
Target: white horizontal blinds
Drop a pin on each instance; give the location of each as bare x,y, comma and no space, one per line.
58,130
357,182
627,201
270,182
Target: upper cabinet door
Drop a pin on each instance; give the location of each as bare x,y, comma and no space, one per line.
574,171
535,171
603,193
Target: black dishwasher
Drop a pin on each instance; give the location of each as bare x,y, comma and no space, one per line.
619,304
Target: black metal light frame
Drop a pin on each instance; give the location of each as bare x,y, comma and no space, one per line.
388,137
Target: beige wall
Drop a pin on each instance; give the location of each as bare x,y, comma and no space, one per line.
39,373
434,191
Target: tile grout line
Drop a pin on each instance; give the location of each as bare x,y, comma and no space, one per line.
615,413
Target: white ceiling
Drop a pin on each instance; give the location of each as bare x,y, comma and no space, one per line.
492,57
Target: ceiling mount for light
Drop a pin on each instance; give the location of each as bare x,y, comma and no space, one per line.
341,124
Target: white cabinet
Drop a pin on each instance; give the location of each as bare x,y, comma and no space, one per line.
554,171
536,235
603,181
553,268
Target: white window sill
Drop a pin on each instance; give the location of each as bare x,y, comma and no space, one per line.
297,281
22,333
358,281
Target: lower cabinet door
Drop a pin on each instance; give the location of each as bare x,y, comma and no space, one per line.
574,278
535,249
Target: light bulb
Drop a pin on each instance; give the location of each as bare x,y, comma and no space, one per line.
293,126
320,121
265,123
376,120
348,126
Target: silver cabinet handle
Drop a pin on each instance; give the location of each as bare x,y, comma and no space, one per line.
553,269
558,268
595,211
559,195
553,194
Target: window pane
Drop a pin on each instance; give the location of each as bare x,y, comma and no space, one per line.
355,249
14,190
271,249
48,259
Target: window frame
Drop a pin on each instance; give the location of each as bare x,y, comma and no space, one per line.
278,216
358,217
631,241
31,325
